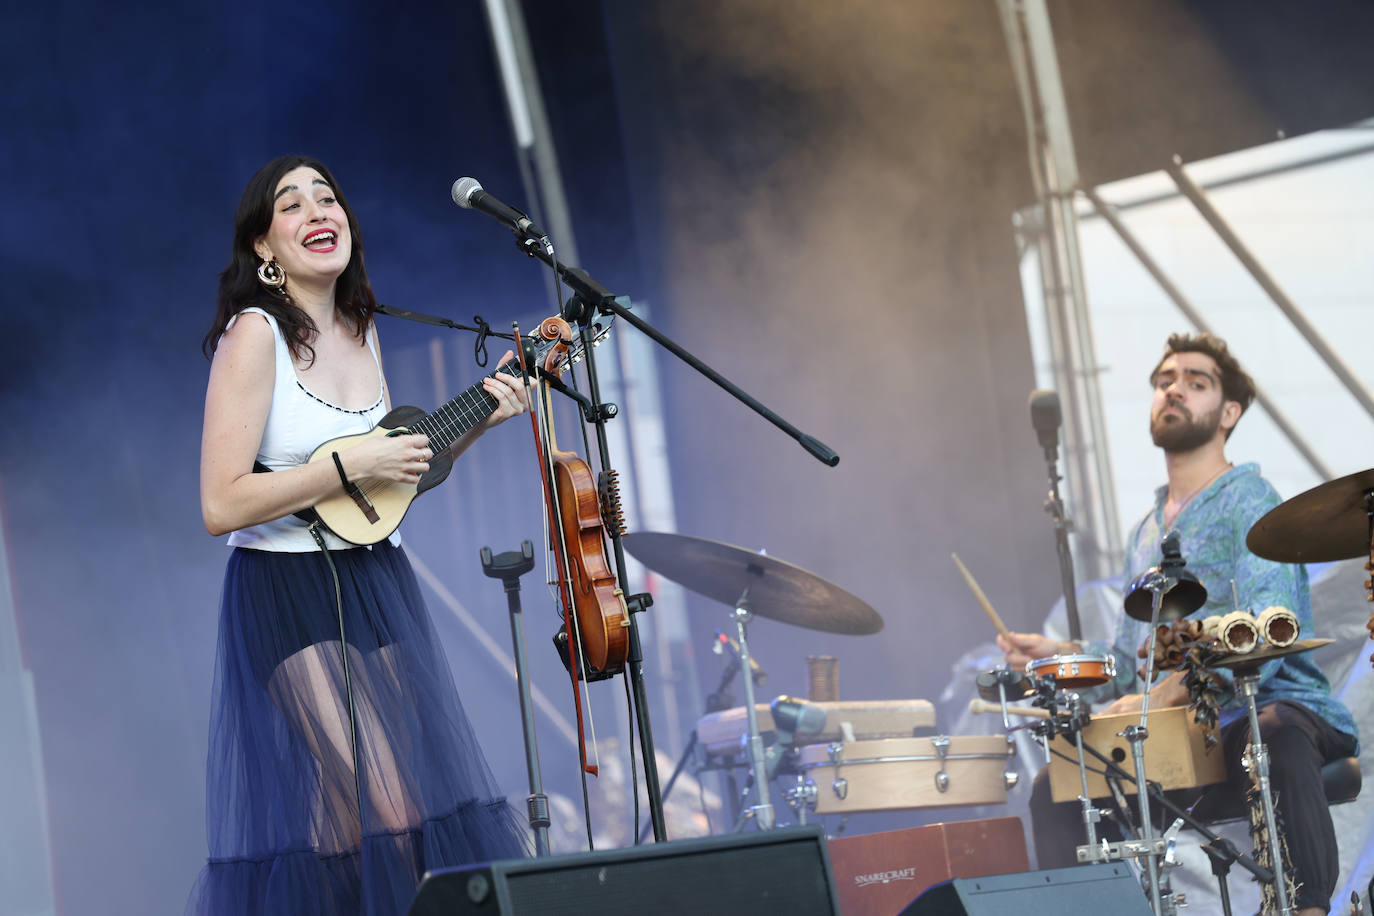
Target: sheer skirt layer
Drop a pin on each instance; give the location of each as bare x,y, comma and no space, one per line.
285,828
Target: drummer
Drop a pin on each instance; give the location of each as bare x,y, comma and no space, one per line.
1200,393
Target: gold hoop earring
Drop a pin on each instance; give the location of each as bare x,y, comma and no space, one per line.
271,275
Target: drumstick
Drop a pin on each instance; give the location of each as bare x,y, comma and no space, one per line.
982,599
980,705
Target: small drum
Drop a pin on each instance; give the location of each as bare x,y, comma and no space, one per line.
906,773
1075,671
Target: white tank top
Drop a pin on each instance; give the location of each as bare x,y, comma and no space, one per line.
296,425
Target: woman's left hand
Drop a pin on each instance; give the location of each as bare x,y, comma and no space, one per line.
510,394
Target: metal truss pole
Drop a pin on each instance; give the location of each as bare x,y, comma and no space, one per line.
1054,169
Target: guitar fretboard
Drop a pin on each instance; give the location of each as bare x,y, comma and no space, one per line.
461,413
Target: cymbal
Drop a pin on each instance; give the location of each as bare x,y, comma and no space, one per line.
776,589
1327,522
1260,656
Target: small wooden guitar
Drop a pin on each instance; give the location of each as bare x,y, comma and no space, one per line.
375,509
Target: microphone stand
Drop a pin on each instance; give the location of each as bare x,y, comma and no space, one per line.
509,567
590,298
1054,505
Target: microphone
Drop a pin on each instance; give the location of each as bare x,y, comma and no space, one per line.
468,194
792,719
1046,418
722,641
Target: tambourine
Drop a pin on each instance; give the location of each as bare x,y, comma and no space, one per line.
1075,671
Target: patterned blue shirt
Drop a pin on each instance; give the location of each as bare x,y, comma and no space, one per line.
1212,527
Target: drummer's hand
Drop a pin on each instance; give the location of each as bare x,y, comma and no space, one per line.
1129,703
1020,648
1168,692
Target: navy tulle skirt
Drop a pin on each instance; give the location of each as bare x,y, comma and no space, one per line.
286,832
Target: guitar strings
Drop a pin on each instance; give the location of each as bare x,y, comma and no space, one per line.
466,411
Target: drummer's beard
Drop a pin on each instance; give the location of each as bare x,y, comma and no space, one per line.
1184,433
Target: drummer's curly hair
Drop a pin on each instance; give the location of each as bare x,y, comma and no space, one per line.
1236,384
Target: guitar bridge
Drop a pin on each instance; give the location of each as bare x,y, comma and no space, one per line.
363,503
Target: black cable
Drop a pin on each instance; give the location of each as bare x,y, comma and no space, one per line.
634,773
1074,760
314,530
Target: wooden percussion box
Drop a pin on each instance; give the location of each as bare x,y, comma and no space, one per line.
878,874
1176,754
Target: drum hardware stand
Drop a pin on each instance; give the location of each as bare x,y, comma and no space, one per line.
1257,759
509,567
1219,849
762,811
720,699
1078,716
1186,594
801,798
1158,582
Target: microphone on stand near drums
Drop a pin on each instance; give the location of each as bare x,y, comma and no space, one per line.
722,642
793,719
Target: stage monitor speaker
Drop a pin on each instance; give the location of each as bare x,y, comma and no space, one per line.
776,871
1084,890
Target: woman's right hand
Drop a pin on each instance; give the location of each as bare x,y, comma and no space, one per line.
399,459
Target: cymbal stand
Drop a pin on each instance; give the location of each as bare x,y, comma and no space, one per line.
1248,679
762,811
721,699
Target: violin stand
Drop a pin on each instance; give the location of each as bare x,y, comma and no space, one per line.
509,567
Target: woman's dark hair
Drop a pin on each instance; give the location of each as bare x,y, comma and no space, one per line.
239,286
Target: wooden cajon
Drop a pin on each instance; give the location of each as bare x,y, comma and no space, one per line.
1176,754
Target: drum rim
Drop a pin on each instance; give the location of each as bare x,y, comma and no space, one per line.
1077,658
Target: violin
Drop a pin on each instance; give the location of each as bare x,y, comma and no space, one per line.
594,609
599,603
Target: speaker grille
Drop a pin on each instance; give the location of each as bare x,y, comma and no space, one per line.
779,878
